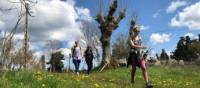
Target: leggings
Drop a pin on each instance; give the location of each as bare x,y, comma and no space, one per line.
143,67
89,64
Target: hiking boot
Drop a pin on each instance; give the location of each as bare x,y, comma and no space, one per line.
149,85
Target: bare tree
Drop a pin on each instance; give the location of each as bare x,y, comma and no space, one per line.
26,6
18,61
8,46
120,47
91,34
107,24
8,38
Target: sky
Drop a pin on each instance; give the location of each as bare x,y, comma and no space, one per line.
162,22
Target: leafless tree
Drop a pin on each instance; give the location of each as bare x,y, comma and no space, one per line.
26,6
8,45
107,24
120,47
91,34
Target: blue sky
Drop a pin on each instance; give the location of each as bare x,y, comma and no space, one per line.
151,14
162,22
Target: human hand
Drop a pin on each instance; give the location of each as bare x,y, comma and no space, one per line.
143,47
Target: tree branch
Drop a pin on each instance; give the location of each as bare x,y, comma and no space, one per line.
112,10
100,19
119,18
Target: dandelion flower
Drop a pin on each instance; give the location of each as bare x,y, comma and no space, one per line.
96,85
43,85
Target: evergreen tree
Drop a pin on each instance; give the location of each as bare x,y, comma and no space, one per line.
55,62
186,50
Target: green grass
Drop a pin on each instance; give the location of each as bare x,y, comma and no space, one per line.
161,77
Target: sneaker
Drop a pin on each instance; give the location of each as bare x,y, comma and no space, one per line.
77,73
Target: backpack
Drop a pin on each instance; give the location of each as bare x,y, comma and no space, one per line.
89,53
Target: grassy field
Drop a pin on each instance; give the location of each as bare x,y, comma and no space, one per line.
161,77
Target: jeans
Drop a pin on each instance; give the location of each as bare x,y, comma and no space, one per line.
76,64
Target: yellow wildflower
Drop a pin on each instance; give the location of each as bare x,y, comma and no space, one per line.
43,85
96,85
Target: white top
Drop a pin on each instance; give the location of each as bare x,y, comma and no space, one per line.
77,53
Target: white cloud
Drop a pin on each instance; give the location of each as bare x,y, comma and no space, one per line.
156,38
189,34
142,27
38,55
53,20
153,52
169,52
156,14
196,37
84,14
37,45
1,24
19,36
189,17
175,5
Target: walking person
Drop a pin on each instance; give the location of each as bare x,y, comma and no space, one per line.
134,42
89,58
77,56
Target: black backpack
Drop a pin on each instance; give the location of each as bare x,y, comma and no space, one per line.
89,53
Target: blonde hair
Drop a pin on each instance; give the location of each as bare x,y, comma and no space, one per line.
135,28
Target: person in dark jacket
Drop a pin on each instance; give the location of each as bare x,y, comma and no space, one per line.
89,58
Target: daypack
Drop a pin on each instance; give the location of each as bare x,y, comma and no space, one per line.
89,53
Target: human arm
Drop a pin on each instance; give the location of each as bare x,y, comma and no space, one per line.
132,45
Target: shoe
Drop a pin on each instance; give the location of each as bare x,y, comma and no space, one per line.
132,81
149,85
77,73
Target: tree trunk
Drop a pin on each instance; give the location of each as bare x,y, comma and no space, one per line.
107,25
106,51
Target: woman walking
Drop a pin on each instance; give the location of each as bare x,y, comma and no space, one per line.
135,46
89,58
76,55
